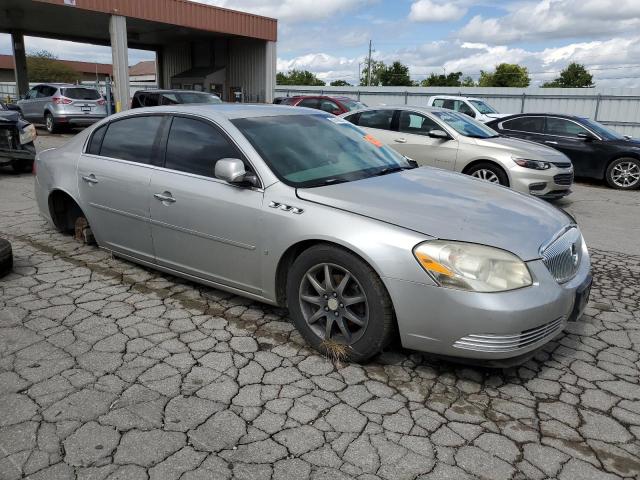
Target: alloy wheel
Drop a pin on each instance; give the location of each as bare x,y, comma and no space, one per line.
486,174
626,174
49,123
333,303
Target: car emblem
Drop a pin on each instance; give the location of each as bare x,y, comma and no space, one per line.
574,254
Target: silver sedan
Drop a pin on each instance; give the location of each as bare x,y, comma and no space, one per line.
299,208
453,141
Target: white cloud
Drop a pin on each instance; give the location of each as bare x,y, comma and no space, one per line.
549,19
291,10
430,11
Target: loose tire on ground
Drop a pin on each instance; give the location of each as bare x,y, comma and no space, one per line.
6,257
482,171
623,174
363,281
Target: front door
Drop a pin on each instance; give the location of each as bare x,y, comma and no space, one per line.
203,226
113,178
413,141
563,134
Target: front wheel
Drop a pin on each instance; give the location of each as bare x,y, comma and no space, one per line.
624,174
489,173
339,304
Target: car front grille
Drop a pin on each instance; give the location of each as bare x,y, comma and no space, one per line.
563,179
508,343
562,164
562,257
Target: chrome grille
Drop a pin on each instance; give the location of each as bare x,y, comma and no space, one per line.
509,343
563,179
563,256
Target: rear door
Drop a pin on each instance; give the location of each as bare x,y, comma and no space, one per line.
113,179
528,128
413,141
203,226
378,123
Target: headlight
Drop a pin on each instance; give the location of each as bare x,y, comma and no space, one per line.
535,164
27,134
468,266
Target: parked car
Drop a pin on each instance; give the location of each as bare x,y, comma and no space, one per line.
57,105
16,140
154,98
474,107
453,141
595,150
333,105
279,100
293,207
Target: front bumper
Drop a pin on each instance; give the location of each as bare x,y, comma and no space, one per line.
548,184
486,326
26,153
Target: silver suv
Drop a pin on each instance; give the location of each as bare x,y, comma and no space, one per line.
59,104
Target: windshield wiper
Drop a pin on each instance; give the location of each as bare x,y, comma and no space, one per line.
387,170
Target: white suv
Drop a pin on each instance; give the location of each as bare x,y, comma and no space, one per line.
474,107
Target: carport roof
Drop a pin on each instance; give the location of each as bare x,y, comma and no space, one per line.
150,23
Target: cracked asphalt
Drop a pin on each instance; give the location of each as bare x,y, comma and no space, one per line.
112,371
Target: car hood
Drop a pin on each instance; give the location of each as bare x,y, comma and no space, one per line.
9,116
523,148
449,206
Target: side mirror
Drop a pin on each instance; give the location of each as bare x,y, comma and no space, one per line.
232,170
587,137
441,134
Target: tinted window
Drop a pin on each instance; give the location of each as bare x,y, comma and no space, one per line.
352,104
96,140
137,101
198,98
169,99
309,103
329,107
81,93
195,146
525,124
131,139
566,128
49,91
417,124
376,119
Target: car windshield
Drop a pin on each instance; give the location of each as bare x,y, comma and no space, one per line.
188,97
464,125
352,105
483,107
80,93
602,131
314,150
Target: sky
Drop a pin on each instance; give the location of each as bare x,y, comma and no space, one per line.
331,37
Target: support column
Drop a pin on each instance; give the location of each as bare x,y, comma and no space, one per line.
20,59
160,83
120,55
270,71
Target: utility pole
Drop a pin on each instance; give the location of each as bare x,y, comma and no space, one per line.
369,66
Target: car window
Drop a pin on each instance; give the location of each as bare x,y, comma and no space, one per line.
376,119
96,140
562,127
439,102
195,146
464,125
41,91
463,107
169,99
328,106
309,103
188,97
482,107
525,124
151,100
352,104
411,122
33,93
132,139
80,93
49,91
137,100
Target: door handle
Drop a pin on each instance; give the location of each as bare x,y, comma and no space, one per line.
165,197
90,179
400,140
551,142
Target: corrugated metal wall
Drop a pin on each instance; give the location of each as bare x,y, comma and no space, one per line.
618,108
247,68
175,59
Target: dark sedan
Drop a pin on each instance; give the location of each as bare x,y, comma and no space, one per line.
595,150
16,139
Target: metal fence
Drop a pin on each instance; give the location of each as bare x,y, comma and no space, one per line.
618,108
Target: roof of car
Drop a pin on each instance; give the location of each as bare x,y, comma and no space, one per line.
559,115
229,111
337,97
456,97
172,90
399,107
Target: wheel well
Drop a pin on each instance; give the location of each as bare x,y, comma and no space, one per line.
64,211
478,162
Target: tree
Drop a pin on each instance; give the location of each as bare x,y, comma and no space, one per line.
574,76
44,66
340,83
505,75
450,80
376,69
467,82
298,77
396,75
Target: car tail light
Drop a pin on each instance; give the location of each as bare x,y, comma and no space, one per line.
61,100
102,101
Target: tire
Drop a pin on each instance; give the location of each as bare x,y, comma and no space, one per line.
6,257
22,167
50,123
489,172
343,300
623,174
